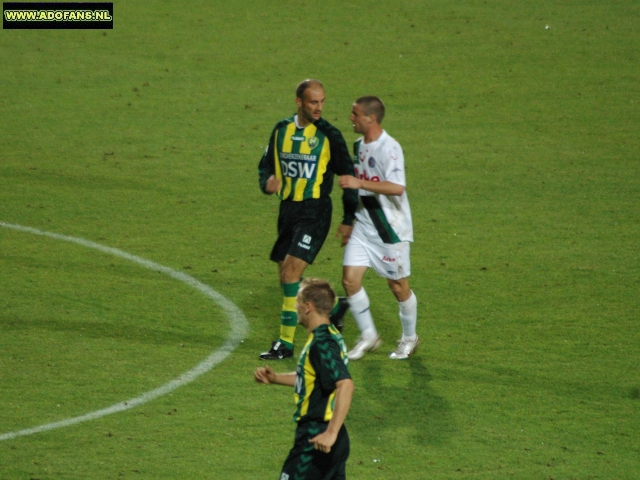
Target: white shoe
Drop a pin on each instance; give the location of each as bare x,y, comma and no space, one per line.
405,349
362,346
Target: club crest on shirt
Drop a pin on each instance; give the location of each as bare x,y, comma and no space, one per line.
313,142
372,162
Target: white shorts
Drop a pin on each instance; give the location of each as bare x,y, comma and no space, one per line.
389,260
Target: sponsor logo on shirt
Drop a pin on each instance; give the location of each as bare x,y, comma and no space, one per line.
388,259
364,176
298,169
298,156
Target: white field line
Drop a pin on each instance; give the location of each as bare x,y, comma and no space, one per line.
238,322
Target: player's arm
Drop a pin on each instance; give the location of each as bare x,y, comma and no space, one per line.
383,188
343,165
267,376
394,177
266,169
344,233
344,394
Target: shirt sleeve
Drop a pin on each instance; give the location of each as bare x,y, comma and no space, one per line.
394,169
266,167
343,165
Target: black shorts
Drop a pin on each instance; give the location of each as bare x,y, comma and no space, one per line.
302,229
305,463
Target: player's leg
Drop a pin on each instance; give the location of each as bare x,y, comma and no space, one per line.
338,312
357,259
291,270
360,307
391,261
408,308
310,224
359,303
286,225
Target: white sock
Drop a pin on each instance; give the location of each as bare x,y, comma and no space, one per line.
409,317
361,311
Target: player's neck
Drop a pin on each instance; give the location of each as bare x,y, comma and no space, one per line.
315,320
373,133
301,122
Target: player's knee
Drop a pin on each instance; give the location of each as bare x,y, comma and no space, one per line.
400,290
291,271
351,285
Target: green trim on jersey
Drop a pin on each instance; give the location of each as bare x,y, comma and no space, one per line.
323,362
372,205
356,151
379,219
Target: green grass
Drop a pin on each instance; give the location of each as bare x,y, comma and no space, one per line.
522,159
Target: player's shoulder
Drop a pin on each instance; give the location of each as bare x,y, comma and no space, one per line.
321,333
324,334
327,129
388,141
390,144
283,123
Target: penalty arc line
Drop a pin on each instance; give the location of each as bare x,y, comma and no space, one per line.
239,330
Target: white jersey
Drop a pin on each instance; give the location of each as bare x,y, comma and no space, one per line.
387,217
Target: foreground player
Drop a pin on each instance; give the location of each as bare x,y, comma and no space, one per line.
304,153
323,390
383,229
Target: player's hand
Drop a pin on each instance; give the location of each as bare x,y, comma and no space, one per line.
324,441
264,375
344,232
347,181
273,185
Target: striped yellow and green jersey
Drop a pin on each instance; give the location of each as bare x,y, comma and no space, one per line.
306,160
323,363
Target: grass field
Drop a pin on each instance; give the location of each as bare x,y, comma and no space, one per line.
519,122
